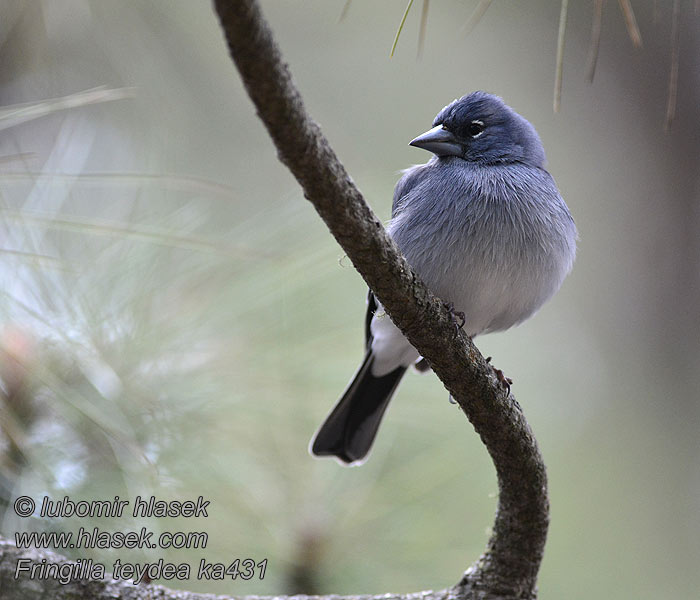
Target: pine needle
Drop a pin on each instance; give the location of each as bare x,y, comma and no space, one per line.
631,22
179,183
595,38
344,12
423,28
398,33
38,259
675,53
476,16
21,113
96,227
19,157
560,54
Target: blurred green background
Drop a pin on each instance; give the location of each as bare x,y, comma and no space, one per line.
176,321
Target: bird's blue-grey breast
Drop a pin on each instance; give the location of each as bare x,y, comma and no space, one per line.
483,224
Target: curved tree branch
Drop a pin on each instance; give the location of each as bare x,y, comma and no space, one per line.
508,568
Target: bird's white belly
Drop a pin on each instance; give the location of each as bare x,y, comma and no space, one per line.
493,300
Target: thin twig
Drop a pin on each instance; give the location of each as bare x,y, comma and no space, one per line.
595,38
631,22
560,54
398,32
675,54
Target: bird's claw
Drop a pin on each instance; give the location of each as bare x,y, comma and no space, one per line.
457,315
505,382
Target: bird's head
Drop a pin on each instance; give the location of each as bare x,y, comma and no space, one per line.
481,128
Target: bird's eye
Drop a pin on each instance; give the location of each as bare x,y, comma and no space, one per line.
476,128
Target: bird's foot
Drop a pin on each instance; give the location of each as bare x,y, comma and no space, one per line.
505,382
458,317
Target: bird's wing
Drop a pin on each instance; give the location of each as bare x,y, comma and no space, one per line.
411,178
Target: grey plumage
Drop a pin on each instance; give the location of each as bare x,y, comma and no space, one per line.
484,226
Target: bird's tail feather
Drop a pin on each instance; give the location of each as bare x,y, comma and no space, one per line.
349,430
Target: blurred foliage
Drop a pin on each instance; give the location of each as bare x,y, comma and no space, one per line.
175,320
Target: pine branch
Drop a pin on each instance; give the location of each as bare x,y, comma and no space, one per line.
508,568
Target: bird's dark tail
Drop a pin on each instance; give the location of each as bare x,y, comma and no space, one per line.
349,431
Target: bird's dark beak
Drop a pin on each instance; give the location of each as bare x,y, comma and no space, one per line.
439,141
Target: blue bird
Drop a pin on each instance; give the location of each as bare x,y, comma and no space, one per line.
484,226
